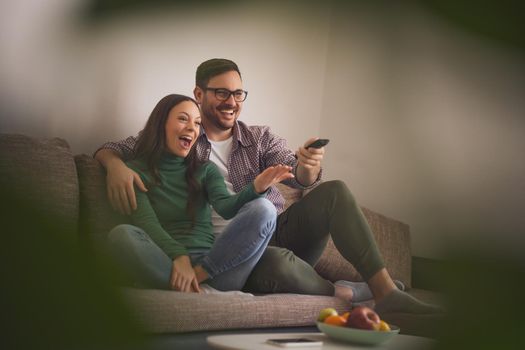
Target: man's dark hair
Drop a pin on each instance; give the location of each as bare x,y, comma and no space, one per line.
211,68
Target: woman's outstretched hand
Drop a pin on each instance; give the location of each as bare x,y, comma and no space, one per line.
270,176
183,276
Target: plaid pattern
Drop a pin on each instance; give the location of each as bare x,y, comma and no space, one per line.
254,149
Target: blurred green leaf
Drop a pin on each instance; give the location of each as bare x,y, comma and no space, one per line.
55,295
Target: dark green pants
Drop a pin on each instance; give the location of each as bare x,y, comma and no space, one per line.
301,236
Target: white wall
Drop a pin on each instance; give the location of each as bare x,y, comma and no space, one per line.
427,126
94,83
425,121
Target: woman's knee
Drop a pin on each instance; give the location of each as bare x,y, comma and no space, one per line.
262,210
264,207
124,233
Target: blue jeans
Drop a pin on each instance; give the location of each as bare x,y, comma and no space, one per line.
228,263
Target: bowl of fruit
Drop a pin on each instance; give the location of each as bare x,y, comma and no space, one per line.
362,325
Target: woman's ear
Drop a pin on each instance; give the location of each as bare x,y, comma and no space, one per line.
198,93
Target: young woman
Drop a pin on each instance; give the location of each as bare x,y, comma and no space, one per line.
171,244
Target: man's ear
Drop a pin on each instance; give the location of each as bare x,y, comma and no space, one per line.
197,93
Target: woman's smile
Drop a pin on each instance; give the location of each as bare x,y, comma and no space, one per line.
182,128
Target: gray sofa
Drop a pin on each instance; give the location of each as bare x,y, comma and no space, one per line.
71,188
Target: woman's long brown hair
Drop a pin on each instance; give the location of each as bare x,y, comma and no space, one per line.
151,144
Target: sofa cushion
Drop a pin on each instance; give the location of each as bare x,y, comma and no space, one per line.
393,239
97,217
163,311
42,173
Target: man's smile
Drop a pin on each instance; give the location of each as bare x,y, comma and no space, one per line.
229,111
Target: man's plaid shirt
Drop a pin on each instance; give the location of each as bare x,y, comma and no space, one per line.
254,149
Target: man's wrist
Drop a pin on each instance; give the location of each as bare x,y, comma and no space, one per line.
307,176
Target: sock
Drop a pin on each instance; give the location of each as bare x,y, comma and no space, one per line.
206,289
399,301
400,285
360,290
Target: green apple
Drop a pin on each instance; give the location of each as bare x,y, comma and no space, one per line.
324,313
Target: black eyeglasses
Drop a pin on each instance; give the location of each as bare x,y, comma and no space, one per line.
224,94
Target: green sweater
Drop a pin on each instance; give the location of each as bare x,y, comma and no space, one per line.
161,211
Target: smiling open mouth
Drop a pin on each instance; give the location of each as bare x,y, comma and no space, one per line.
229,112
186,141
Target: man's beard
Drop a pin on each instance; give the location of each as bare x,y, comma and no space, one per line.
213,116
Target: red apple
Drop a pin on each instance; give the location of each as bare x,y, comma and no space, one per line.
363,317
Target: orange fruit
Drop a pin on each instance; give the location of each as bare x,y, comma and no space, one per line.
324,313
345,315
335,320
383,326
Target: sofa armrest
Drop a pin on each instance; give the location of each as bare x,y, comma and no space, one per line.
42,175
393,240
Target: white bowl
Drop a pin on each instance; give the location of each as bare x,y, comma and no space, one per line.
357,336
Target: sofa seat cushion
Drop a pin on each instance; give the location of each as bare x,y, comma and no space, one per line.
163,311
42,174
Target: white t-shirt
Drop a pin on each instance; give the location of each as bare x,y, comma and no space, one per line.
220,153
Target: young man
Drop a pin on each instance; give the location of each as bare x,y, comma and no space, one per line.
241,153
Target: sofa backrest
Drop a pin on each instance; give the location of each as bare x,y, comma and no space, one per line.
41,174
97,217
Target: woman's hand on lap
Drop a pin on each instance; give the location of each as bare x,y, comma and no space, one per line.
183,276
